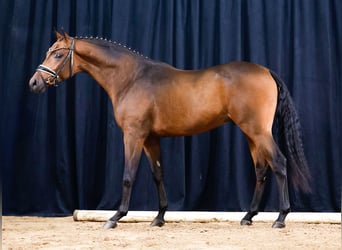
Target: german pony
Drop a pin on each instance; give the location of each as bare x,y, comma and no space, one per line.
152,100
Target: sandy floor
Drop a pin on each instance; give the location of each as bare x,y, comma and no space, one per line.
64,233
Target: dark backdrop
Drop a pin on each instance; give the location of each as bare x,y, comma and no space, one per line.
62,150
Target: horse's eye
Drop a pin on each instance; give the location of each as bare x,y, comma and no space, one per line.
58,55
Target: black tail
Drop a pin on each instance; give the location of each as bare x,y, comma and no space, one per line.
290,138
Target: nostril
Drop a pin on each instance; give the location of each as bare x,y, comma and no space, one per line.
36,86
33,82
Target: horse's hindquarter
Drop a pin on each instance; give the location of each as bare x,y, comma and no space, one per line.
253,96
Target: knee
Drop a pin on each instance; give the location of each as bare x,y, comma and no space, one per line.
128,179
127,182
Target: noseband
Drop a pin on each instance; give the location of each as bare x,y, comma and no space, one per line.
54,75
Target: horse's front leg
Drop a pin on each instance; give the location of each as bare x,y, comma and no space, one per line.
152,150
133,148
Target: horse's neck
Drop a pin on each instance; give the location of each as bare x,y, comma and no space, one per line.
112,72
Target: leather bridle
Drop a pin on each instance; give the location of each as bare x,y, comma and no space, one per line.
54,75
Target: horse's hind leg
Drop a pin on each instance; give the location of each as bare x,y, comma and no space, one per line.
152,150
261,170
278,166
266,152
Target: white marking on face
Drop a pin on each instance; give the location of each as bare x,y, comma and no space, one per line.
158,163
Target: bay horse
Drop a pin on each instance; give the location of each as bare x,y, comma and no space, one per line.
152,100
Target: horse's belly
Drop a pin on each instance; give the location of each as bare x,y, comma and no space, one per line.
188,124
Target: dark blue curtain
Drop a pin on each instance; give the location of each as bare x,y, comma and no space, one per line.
62,150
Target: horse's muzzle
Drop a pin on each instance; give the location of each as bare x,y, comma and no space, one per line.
37,85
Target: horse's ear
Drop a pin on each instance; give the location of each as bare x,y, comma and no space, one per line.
62,35
58,35
66,36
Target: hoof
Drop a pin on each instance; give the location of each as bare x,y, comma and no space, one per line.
278,224
245,222
110,224
157,223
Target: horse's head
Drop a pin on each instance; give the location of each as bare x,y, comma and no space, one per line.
57,65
